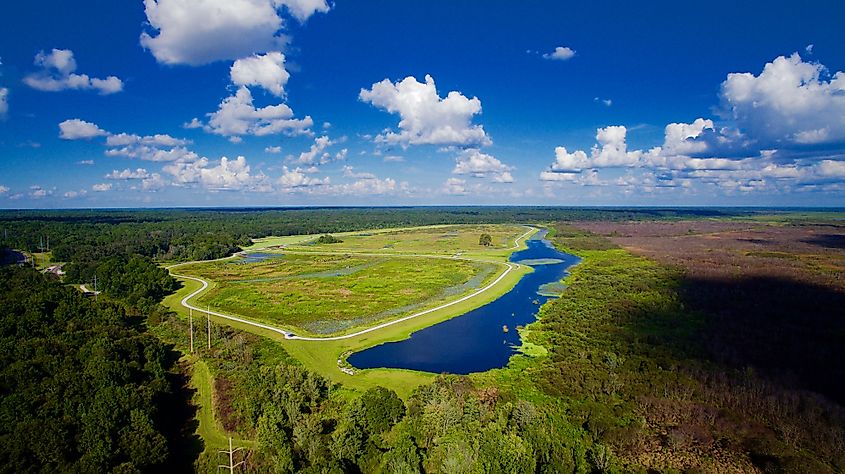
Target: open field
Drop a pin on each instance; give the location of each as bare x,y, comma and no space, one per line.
432,240
324,294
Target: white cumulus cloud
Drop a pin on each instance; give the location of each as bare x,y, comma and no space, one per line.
153,182
612,149
679,137
193,124
57,74
298,178
139,173
784,131
238,116
38,192
198,32
426,118
349,172
266,71
153,153
831,168
481,165
455,186
75,194
561,53
303,9
76,129
316,154
368,186
790,101
161,140
225,175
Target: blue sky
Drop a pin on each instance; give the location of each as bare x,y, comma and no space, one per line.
304,102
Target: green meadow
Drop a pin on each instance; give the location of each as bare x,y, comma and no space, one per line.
430,240
324,294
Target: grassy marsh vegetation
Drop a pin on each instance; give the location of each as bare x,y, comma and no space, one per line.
330,293
436,240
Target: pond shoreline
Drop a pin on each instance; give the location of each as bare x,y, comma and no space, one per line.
477,341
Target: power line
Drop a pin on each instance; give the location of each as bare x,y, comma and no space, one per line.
231,453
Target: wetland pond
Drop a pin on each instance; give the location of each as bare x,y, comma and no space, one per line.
477,341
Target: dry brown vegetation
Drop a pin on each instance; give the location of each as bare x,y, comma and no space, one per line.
730,250
223,399
773,295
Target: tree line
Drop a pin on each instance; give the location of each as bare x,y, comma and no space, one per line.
83,388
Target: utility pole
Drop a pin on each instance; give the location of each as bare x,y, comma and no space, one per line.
48,243
191,322
231,453
96,295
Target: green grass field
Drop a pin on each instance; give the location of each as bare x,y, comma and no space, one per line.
433,240
325,294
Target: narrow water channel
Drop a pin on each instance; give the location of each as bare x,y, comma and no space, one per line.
477,341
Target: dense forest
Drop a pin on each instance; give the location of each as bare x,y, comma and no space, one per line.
82,387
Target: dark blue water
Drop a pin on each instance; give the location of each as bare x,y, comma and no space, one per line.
476,341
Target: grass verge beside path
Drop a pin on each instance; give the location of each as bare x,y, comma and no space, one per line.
213,435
